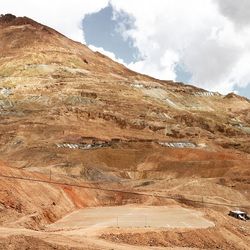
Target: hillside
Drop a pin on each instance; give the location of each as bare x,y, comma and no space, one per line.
72,115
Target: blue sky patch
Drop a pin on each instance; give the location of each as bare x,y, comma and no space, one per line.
182,75
243,91
103,29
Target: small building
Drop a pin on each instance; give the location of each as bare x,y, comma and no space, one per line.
239,215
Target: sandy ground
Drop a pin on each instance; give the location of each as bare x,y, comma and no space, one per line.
82,229
168,227
132,217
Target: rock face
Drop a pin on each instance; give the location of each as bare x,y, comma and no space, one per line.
56,92
7,18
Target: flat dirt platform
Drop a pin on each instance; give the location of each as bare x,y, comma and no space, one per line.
132,217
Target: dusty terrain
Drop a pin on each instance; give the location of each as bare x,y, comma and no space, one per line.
132,216
79,130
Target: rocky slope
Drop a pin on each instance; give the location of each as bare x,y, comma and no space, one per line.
74,115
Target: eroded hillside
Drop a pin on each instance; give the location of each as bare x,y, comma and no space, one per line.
74,115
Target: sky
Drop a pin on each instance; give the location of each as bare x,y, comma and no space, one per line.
202,42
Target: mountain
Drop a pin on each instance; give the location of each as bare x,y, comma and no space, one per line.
69,114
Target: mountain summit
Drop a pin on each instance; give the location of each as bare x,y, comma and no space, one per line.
44,70
73,115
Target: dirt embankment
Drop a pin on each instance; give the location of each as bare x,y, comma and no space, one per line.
202,239
33,200
30,242
30,204
33,204
228,233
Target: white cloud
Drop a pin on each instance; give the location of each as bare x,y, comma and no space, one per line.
62,15
237,11
107,53
164,67
198,34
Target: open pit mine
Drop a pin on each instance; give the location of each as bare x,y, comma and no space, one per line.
96,156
